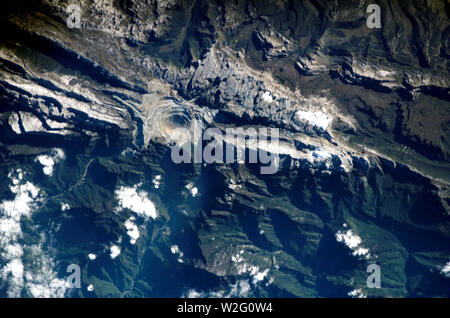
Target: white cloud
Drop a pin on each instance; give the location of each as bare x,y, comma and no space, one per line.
259,276
114,251
193,190
156,181
48,161
176,251
353,241
12,251
9,231
239,289
243,268
250,276
11,211
42,281
357,293
90,288
445,270
65,206
37,278
360,251
132,229
349,238
92,256
271,280
12,272
136,201
22,203
192,293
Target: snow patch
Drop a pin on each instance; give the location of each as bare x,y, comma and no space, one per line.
267,97
14,123
233,185
318,119
320,154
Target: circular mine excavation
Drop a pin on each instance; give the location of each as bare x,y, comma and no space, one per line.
166,119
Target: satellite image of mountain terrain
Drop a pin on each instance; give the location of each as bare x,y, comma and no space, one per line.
210,148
